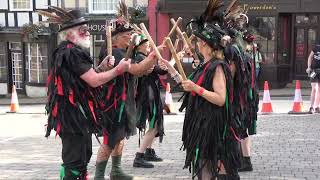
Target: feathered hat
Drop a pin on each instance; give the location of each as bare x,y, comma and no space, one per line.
207,27
121,24
66,19
235,13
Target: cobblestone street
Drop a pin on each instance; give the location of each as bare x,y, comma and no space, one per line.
286,147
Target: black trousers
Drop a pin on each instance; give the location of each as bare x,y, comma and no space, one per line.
76,152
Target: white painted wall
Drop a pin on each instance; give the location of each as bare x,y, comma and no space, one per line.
33,91
3,89
4,4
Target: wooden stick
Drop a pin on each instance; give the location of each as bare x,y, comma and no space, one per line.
175,25
136,28
179,32
192,37
195,55
176,43
175,57
109,40
131,46
153,45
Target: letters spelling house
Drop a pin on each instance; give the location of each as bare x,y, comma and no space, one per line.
287,30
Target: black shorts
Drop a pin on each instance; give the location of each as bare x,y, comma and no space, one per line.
76,150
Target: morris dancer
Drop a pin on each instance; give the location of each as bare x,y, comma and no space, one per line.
119,101
149,106
72,97
209,136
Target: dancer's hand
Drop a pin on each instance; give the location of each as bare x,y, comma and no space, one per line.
107,63
188,85
150,70
162,65
308,70
123,66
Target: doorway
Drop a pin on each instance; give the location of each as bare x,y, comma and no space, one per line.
306,35
16,64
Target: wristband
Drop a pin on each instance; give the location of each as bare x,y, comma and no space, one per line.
201,91
118,71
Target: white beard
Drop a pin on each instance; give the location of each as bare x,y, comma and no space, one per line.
84,43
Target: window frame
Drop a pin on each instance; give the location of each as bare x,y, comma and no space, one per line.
4,79
39,69
26,9
91,11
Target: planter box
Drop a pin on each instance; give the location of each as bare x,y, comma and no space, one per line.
36,91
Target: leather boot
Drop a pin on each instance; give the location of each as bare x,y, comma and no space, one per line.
150,155
116,171
246,165
100,170
139,161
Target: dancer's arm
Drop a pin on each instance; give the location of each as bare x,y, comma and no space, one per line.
217,97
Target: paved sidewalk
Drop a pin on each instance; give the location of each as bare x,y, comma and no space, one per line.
285,148
285,92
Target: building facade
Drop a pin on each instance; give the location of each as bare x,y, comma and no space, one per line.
26,46
287,30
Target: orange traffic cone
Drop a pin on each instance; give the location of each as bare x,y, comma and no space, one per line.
297,104
266,102
168,101
14,107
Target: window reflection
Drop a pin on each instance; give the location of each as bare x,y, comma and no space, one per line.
264,30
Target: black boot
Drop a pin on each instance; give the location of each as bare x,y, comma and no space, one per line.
100,170
116,171
139,161
150,155
228,177
246,164
70,174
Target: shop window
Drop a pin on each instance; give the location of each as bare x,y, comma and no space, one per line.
3,62
103,6
306,19
21,5
37,62
264,30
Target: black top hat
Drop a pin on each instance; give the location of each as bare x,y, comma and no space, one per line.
67,19
76,21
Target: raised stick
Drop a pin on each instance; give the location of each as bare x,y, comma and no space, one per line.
153,45
131,46
109,40
175,57
175,25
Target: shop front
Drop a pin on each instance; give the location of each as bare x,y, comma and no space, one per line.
285,30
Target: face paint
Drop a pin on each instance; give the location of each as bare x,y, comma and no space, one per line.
82,36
